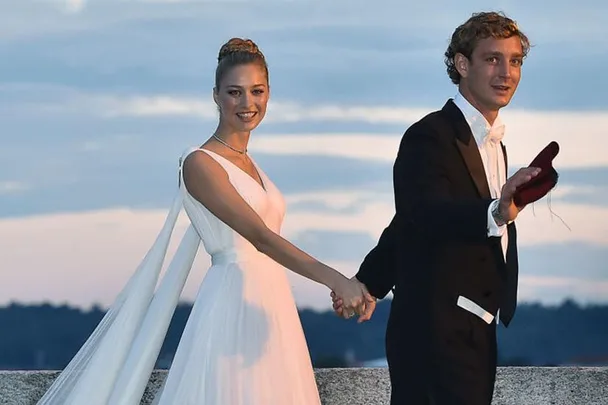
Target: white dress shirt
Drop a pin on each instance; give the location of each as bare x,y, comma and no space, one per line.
488,138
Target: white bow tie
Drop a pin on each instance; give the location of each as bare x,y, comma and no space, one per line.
495,134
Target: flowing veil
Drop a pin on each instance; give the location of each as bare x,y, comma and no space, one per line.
115,363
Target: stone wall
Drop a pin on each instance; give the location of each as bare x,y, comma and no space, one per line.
370,386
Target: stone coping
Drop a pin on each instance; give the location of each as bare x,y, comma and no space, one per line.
367,386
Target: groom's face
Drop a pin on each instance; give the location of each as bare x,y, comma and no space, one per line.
493,72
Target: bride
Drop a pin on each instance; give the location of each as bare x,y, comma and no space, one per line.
243,342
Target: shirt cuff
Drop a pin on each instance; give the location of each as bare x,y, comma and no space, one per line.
493,228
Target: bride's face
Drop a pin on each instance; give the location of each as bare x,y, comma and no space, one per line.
242,97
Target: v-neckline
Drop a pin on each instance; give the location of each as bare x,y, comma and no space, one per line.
263,186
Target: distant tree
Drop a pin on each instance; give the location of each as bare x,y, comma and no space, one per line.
330,362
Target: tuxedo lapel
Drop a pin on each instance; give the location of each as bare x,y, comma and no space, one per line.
468,148
504,153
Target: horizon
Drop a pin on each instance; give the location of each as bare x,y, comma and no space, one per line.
94,307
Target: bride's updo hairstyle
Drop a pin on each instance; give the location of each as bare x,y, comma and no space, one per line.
238,51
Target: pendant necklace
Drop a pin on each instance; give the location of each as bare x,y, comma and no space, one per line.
226,144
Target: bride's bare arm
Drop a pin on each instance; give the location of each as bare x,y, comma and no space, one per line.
207,181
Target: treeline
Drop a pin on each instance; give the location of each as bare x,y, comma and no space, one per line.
46,336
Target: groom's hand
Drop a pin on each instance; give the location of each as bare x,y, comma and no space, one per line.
508,209
370,307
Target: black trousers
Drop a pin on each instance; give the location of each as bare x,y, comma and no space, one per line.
458,367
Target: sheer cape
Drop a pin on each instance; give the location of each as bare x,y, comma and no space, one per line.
115,363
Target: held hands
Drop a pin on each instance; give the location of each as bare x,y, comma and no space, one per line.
352,294
507,208
364,310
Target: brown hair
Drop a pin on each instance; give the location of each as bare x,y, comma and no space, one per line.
238,51
480,26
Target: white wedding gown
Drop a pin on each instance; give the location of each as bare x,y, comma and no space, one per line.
243,343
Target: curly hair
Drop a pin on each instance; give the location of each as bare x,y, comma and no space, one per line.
480,26
238,51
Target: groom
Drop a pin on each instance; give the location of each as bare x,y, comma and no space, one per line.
450,251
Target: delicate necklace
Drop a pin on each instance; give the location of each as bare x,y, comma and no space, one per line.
220,140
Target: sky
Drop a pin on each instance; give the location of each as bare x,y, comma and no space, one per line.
98,99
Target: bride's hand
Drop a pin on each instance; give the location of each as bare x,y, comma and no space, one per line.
352,296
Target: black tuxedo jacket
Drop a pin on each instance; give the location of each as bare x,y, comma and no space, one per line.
436,247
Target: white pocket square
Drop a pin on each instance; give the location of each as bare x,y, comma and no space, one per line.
467,304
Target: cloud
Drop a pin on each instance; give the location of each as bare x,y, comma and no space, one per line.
82,258
536,224
594,195
74,6
114,172
58,100
331,245
555,290
12,187
85,258
157,106
34,19
395,15
63,100
565,260
366,54
74,171
528,131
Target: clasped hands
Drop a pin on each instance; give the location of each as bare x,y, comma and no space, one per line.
351,298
